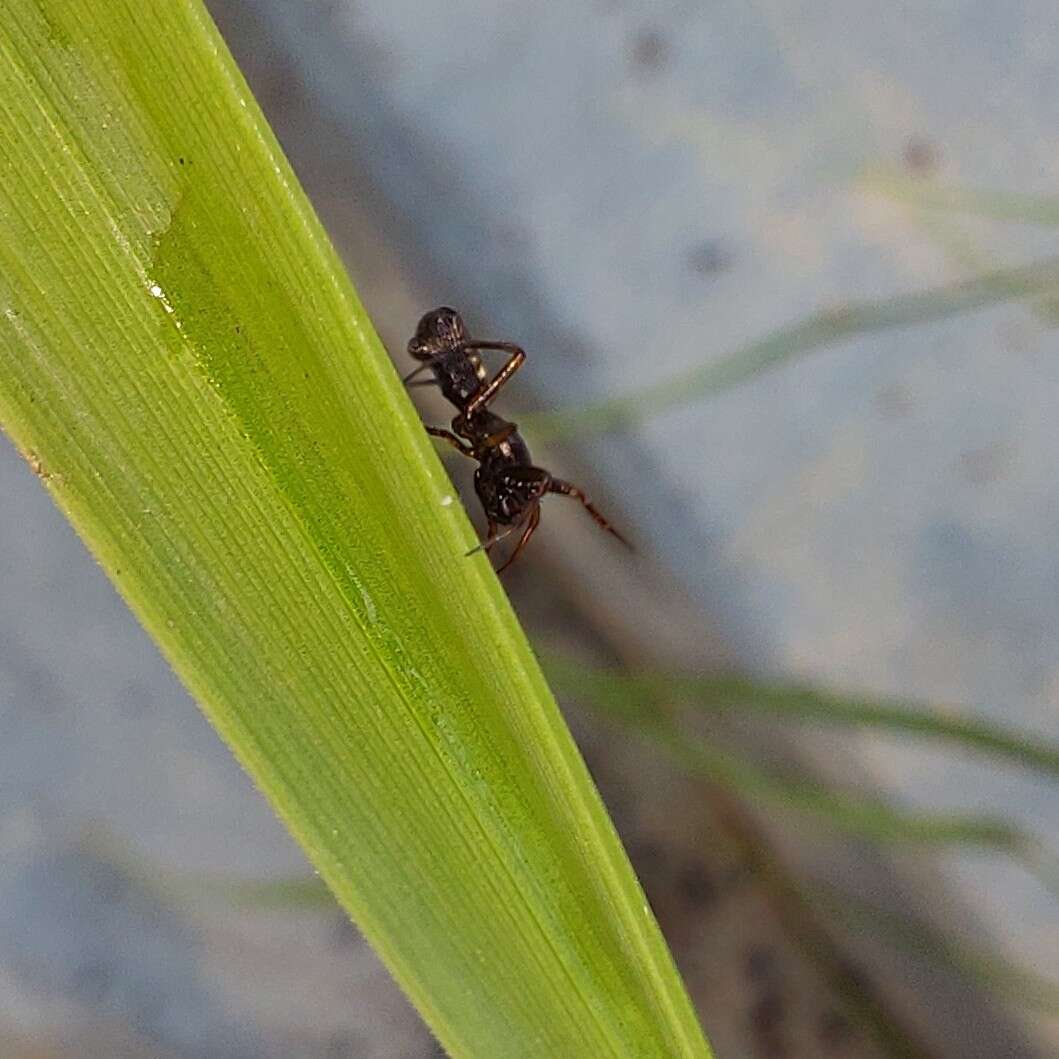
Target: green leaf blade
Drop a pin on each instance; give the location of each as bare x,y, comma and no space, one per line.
188,370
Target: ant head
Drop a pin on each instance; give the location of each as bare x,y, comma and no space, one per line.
440,331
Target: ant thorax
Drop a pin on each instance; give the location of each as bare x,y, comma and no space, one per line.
459,375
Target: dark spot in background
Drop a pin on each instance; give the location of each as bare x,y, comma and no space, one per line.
649,51
343,1046
696,885
760,963
834,1030
708,257
856,979
767,1016
768,1012
921,157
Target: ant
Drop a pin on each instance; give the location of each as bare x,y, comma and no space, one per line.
508,485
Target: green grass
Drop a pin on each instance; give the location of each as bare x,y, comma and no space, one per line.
645,702
187,370
816,331
803,704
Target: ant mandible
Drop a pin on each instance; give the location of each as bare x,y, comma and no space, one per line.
508,485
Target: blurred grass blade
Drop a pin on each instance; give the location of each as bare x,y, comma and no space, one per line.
1014,206
820,329
296,891
940,211
802,703
919,938
186,367
855,814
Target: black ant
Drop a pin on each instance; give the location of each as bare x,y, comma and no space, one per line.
509,487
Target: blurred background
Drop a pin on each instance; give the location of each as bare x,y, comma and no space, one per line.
785,274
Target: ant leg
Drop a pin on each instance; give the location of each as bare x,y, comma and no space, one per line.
414,372
557,485
492,537
518,477
488,392
455,442
534,522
